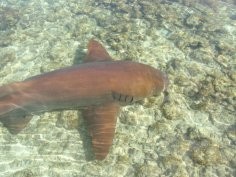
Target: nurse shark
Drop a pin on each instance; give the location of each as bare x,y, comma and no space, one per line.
98,87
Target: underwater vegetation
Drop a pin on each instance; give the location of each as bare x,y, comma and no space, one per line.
210,3
8,18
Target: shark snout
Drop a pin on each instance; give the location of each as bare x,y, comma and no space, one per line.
161,83
165,81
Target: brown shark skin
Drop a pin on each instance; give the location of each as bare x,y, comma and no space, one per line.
89,86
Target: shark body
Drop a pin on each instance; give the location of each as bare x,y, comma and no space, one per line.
98,87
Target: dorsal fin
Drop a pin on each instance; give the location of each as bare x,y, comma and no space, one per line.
101,122
96,52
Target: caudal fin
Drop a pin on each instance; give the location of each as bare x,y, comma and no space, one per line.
15,124
12,114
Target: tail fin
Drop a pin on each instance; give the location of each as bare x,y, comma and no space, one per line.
15,124
12,115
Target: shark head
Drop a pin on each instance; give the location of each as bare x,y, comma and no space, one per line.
159,82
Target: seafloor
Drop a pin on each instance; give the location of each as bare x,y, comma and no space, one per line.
192,134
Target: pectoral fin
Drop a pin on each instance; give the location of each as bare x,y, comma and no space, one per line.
101,122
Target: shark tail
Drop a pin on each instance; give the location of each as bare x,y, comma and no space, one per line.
12,115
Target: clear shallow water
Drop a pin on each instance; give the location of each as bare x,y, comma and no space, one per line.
193,134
